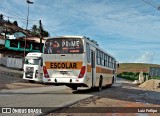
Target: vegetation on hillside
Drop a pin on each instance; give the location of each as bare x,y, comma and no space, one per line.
131,71
135,67
131,75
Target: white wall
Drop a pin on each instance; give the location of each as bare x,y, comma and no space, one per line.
12,62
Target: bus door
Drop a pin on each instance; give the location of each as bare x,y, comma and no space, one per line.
93,67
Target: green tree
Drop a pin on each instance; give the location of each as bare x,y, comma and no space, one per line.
45,33
36,31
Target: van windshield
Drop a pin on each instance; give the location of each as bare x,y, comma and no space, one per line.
63,46
32,61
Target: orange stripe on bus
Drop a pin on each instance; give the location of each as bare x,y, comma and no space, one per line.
100,70
103,70
63,65
88,68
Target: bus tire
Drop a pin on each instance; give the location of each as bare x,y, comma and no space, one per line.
100,84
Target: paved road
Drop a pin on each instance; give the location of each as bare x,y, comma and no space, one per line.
48,96
51,96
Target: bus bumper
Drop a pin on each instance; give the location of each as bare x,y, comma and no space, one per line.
64,80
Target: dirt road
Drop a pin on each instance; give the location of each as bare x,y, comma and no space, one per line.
123,99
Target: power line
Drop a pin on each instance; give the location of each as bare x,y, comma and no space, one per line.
19,18
10,12
152,3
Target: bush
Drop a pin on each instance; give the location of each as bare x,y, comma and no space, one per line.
129,75
154,78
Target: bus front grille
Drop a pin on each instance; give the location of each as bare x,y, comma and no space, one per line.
29,72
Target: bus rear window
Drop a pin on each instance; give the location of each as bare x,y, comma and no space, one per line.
63,46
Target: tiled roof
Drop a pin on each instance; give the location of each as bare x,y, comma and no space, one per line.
13,28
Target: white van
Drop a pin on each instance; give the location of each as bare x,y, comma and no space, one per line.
33,67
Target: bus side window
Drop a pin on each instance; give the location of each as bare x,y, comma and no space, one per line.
88,53
98,56
105,60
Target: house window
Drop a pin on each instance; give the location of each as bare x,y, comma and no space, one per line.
22,45
13,43
35,46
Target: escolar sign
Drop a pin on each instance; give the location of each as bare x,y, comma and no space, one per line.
63,65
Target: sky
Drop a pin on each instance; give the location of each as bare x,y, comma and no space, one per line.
127,29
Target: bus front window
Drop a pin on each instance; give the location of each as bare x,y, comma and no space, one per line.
32,61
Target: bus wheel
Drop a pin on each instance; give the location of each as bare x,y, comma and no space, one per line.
100,84
110,85
73,88
31,81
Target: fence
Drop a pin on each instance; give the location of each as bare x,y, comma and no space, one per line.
12,62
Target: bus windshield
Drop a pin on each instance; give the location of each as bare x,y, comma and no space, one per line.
32,61
63,46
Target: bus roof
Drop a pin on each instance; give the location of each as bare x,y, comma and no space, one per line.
99,48
66,36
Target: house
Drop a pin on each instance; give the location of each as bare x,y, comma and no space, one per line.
15,43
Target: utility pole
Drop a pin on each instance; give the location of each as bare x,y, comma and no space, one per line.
28,3
40,28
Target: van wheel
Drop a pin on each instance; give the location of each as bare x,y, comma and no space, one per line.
100,84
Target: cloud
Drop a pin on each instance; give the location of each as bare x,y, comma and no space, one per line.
125,28
146,57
